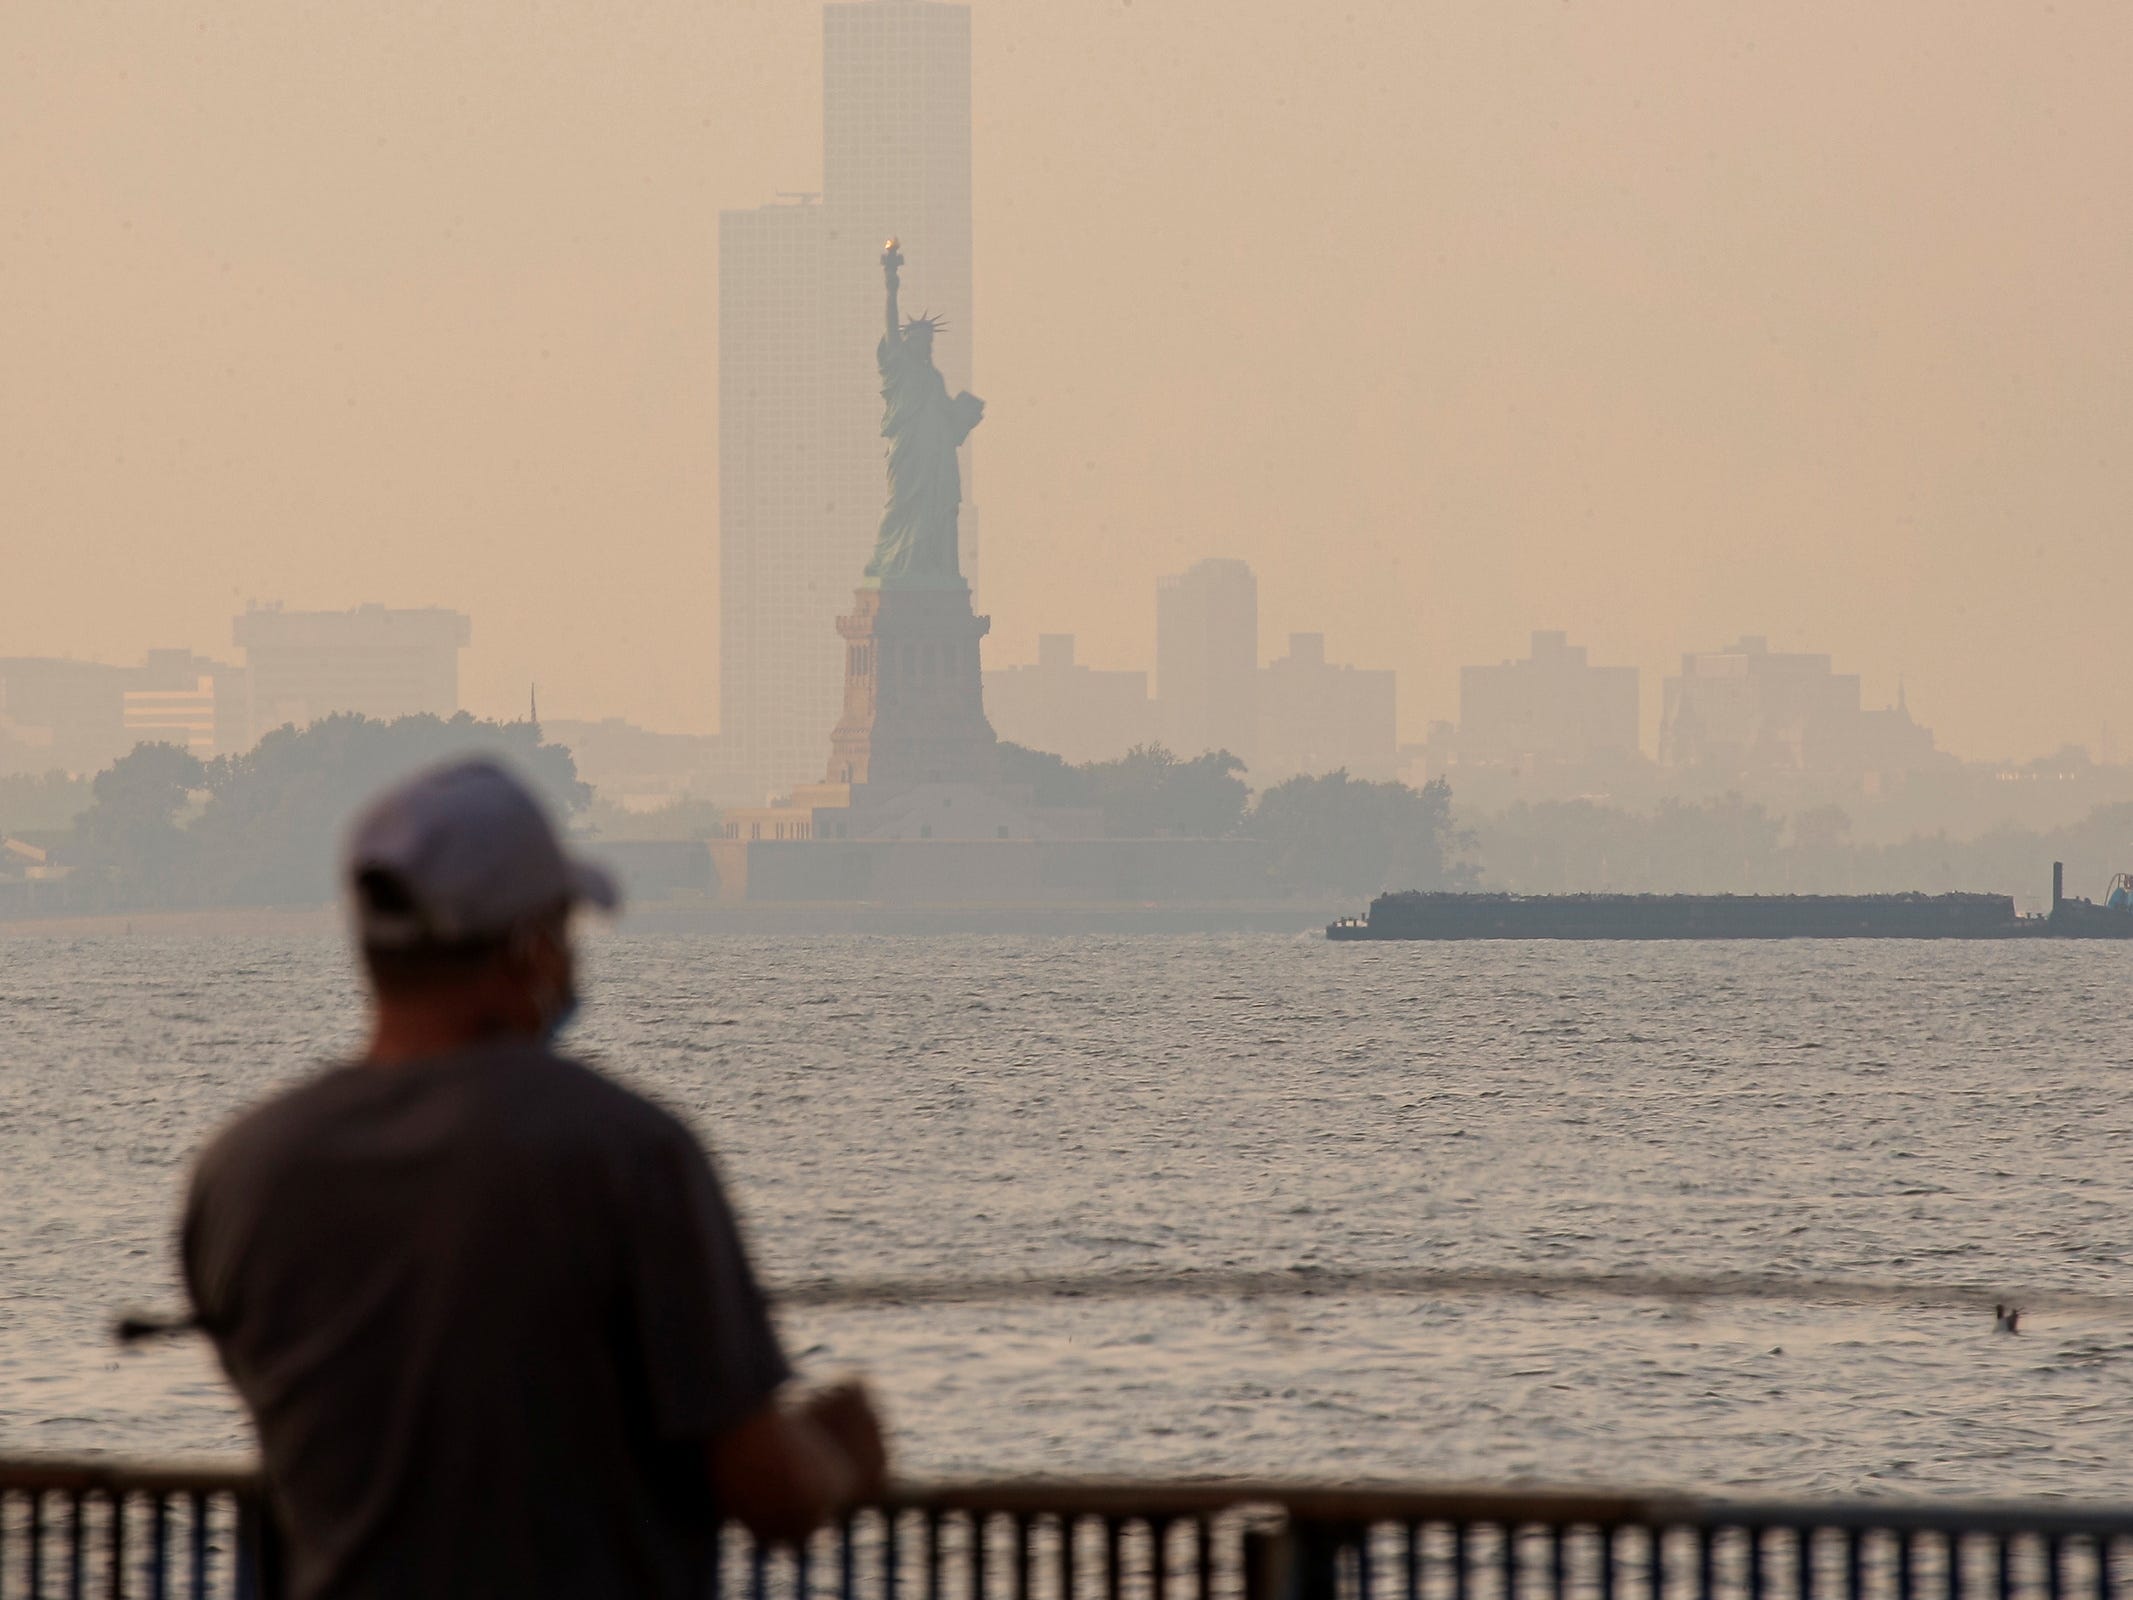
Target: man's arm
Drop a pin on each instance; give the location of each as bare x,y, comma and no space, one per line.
714,1372
206,1285
784,1471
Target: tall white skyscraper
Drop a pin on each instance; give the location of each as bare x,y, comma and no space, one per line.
1207,659
776,556
800,310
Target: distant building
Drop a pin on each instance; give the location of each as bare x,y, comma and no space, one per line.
57,715
1748,709
1315,717
80,716
1554,707
184,717
800,307
1081,713
635,768
306,665
225,719
1207,659
785,542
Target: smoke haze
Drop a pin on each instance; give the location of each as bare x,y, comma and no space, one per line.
1654,322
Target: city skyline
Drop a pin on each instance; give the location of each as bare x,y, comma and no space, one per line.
62,714
380,661
1658,335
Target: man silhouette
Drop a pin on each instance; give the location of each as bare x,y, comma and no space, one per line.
489,1310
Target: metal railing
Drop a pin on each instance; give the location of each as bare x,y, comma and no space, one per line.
83,1528
77,1529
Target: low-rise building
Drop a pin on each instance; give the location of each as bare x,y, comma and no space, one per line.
373,660
61,716
1751,710
1079,712
639,769
1555,706
194,704
1316,716
80,716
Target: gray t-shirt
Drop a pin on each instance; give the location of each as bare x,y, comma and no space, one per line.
487,1312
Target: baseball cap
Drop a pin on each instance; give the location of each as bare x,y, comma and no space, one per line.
461,853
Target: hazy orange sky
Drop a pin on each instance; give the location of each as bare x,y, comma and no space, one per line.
1659,322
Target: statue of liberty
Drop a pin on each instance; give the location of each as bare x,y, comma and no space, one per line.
923,426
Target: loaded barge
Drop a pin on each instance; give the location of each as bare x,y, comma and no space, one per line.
1416,915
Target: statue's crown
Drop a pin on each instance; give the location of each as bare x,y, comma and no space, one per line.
929,322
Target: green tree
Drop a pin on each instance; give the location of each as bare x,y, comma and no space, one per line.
271,831
129,836
1354,837
1820,852
1052,780
42,801
1150,793
680,819
1728,845
1147,793
1565,847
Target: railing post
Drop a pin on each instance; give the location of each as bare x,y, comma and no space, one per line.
159,1546
35,1540
1314,1551
167,1532
1266,1557
115,1574
259,1553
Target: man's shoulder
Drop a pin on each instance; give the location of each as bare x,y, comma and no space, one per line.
548,1099
596,1101
276,1120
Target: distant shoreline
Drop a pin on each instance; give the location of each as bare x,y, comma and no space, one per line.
230,921
671,917
804,918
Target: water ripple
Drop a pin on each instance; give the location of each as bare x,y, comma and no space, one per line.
905,1106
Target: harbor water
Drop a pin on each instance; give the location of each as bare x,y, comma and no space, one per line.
1924,1113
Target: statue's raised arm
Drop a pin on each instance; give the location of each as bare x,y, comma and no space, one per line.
892,260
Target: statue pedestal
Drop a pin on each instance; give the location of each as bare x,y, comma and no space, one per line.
913,711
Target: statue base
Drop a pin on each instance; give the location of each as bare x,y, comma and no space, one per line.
913,708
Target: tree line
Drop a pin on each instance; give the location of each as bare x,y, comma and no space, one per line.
1330,833
164,828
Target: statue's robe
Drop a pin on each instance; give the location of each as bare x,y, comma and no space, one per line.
923,425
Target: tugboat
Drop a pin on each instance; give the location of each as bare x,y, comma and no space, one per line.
2084,919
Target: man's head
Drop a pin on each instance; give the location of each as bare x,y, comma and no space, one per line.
461,896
